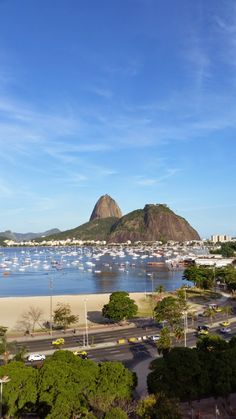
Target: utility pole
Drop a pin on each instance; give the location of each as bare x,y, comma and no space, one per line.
51,288
86,323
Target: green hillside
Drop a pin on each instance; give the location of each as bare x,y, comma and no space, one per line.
98,229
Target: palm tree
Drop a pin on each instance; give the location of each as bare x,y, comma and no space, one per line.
227,310
209,312
160,289
21,354
178,333
193,316
164,343
6,348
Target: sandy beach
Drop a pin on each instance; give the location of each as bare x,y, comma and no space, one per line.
12,308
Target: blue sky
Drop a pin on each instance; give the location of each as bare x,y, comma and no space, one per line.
134,98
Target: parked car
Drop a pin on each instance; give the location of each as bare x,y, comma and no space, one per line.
58,342
225,330
36,357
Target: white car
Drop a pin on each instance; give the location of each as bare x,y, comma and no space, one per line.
154,338
36,357
225,330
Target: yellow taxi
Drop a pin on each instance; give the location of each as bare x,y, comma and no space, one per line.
81,354
203,332
218,309
225,323
58,342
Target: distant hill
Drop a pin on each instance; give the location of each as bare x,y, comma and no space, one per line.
152,223
18,237
106,207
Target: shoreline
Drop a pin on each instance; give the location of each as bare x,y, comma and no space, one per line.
13,308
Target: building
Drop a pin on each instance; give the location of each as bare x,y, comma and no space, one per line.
216,238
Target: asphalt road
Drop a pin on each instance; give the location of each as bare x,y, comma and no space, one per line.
130,353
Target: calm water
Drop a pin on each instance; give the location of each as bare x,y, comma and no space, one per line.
29,272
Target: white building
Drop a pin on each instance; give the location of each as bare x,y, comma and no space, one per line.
216,238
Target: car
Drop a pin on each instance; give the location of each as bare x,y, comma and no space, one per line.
154,338
218,309
59,341
225,323
202,327
225,330
36,357
202,332
81,354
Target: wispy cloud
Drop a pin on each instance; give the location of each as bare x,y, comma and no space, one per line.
142,180
100,91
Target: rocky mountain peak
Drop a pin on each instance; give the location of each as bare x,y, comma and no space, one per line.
105,207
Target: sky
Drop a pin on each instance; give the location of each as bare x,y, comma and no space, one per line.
131,98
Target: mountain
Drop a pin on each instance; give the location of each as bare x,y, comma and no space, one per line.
18,237
154,222
106,207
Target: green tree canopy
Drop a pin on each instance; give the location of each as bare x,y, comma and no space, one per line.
69,385
120,307
20,393
63,316
169,309
201,276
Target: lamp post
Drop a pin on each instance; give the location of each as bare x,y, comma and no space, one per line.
3,380
86,323
51,288
185,328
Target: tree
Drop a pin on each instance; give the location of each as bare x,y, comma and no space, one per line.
116,412
209,312
164,343
201,276
168,309
227,310
211,343
120,307
182,366
63,316
114,382
3,330
21,354
6,348
70,386
158,406
166,407
179,333
146,406
20,393
32,317
160,289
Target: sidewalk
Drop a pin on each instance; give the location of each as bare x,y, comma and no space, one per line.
69,332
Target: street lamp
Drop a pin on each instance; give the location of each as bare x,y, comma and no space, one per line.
3,380
51,288
86,323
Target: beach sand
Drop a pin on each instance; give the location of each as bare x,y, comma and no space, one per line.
12,308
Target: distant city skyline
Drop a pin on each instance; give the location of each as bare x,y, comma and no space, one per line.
134,98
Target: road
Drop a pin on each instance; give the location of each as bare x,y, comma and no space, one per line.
111,350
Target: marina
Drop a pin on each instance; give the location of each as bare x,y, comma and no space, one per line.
91,270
